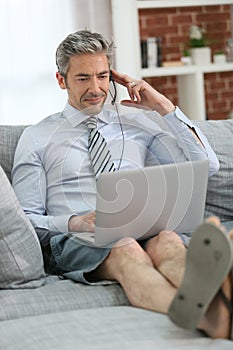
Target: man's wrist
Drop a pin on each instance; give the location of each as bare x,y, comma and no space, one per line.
72,223
164,107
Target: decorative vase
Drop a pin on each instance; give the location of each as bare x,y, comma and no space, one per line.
186,60
219,58
200,55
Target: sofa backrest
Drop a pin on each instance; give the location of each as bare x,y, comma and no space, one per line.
9,136
219,200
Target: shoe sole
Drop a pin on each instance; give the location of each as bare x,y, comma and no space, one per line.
209,259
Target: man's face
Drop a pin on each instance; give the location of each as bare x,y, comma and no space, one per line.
87,82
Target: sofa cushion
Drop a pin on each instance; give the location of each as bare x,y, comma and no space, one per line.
220,186
58,295
9,136
123,327
21,261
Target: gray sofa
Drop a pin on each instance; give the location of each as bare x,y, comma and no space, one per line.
60,314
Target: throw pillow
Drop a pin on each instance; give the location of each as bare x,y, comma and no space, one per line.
21,261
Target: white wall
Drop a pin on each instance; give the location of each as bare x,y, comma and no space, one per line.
30,31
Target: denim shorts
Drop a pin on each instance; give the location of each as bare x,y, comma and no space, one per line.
73,257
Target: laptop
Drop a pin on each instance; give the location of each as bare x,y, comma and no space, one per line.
142,202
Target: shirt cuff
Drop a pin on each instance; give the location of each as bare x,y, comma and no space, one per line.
178,116
59,223
180,124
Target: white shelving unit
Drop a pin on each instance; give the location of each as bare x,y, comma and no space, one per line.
190,79
143,4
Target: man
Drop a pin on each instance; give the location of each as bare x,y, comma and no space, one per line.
54,178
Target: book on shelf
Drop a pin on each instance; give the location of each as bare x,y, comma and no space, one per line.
151,52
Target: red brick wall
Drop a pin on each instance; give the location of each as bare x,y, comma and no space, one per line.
173,25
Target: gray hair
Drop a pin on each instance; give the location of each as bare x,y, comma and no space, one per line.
79,43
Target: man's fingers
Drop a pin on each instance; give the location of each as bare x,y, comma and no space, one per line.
134,104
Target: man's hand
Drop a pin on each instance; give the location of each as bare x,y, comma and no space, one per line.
143,95
83,223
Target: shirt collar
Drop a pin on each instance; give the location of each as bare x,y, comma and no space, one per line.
76,117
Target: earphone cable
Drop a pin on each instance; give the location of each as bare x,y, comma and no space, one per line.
121,127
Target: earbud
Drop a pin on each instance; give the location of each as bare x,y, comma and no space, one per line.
110,76
114,86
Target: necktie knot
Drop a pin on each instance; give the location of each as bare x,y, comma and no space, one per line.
91,123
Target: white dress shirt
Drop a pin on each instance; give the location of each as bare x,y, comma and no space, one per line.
52,173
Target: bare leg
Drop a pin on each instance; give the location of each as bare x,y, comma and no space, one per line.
168,253
145,287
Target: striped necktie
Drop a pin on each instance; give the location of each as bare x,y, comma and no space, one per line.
98,149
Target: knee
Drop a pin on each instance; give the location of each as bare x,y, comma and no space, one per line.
128,249
160,241
167,237
126,246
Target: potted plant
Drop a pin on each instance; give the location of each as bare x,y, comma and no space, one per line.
199,50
